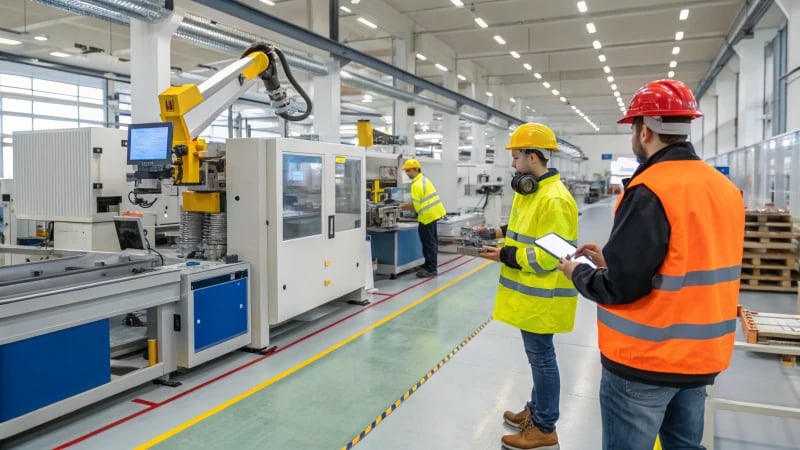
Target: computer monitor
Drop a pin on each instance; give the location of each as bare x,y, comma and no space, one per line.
150,144
130,233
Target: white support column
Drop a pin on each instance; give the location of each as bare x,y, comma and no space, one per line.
792,10
150,66
450,125
750,121
478,153
401,123
726,112
326,90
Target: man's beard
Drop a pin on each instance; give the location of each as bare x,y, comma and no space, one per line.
638,150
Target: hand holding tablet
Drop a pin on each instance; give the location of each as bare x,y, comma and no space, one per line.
560,248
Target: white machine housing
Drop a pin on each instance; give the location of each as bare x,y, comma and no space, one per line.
290,277
9,228
64,176
72,177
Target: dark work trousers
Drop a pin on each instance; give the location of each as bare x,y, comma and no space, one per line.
430,245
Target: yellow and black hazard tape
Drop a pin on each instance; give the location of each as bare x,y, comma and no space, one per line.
413,389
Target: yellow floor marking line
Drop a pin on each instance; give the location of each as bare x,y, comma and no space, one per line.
303,364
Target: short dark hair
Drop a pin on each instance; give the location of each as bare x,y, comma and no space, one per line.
538,154
668,139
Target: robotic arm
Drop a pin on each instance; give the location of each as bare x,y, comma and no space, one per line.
192,108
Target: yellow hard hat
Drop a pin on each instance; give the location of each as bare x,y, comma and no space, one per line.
533,135
411,164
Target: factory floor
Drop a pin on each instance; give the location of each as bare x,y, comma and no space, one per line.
422,366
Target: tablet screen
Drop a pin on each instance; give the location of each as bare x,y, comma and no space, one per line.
560,248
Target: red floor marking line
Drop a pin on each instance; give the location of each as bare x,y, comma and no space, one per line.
118,422
451,260
380,293
144,402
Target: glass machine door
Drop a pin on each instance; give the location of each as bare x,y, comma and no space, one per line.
302,196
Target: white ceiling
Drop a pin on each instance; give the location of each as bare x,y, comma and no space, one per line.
637,37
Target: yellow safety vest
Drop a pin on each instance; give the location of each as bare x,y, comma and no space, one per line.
427,204
539,298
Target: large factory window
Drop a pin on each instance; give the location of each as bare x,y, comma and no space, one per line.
348,194
302,196
29,102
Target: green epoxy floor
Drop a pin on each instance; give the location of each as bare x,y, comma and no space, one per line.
327,403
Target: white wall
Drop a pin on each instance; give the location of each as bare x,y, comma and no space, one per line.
597,144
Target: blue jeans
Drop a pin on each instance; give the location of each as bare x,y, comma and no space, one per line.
546,381
634,413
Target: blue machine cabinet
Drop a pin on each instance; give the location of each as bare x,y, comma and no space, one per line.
214,310
46,369
396,249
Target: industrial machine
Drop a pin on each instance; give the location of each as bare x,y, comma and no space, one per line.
450,230
471,243
200,310
8,214
382,216
79,187
297,212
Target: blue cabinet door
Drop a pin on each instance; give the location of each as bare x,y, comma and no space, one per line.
220,313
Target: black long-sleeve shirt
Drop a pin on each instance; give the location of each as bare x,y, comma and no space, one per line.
635,250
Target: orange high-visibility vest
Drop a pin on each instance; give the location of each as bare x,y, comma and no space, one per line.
686,325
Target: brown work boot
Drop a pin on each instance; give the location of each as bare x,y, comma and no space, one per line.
518,420
531,437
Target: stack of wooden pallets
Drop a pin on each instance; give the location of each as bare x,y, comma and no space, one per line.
771,329
770,259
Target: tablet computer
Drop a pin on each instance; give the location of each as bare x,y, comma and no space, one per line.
561,248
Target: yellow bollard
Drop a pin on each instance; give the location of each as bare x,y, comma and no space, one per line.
152,352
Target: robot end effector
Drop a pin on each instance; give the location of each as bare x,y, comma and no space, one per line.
281,102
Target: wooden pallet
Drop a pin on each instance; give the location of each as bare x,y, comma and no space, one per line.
755,260
768,222
769,328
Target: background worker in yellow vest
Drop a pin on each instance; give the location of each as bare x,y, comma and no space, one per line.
532,294
667,283
429,208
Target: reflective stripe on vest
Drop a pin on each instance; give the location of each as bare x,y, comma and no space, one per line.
655,334
687,323
537,292
697,278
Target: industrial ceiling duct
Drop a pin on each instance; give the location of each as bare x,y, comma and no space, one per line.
210,34
193,28
118,11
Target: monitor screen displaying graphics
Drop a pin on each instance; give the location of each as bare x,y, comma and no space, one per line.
130,233
150,143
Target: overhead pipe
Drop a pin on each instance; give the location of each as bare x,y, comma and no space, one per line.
202,31
362,82
742,27
119,11
473,117
193,28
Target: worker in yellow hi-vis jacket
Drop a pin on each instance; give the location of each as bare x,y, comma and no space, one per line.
430,209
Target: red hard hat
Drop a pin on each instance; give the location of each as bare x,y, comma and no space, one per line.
662,98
